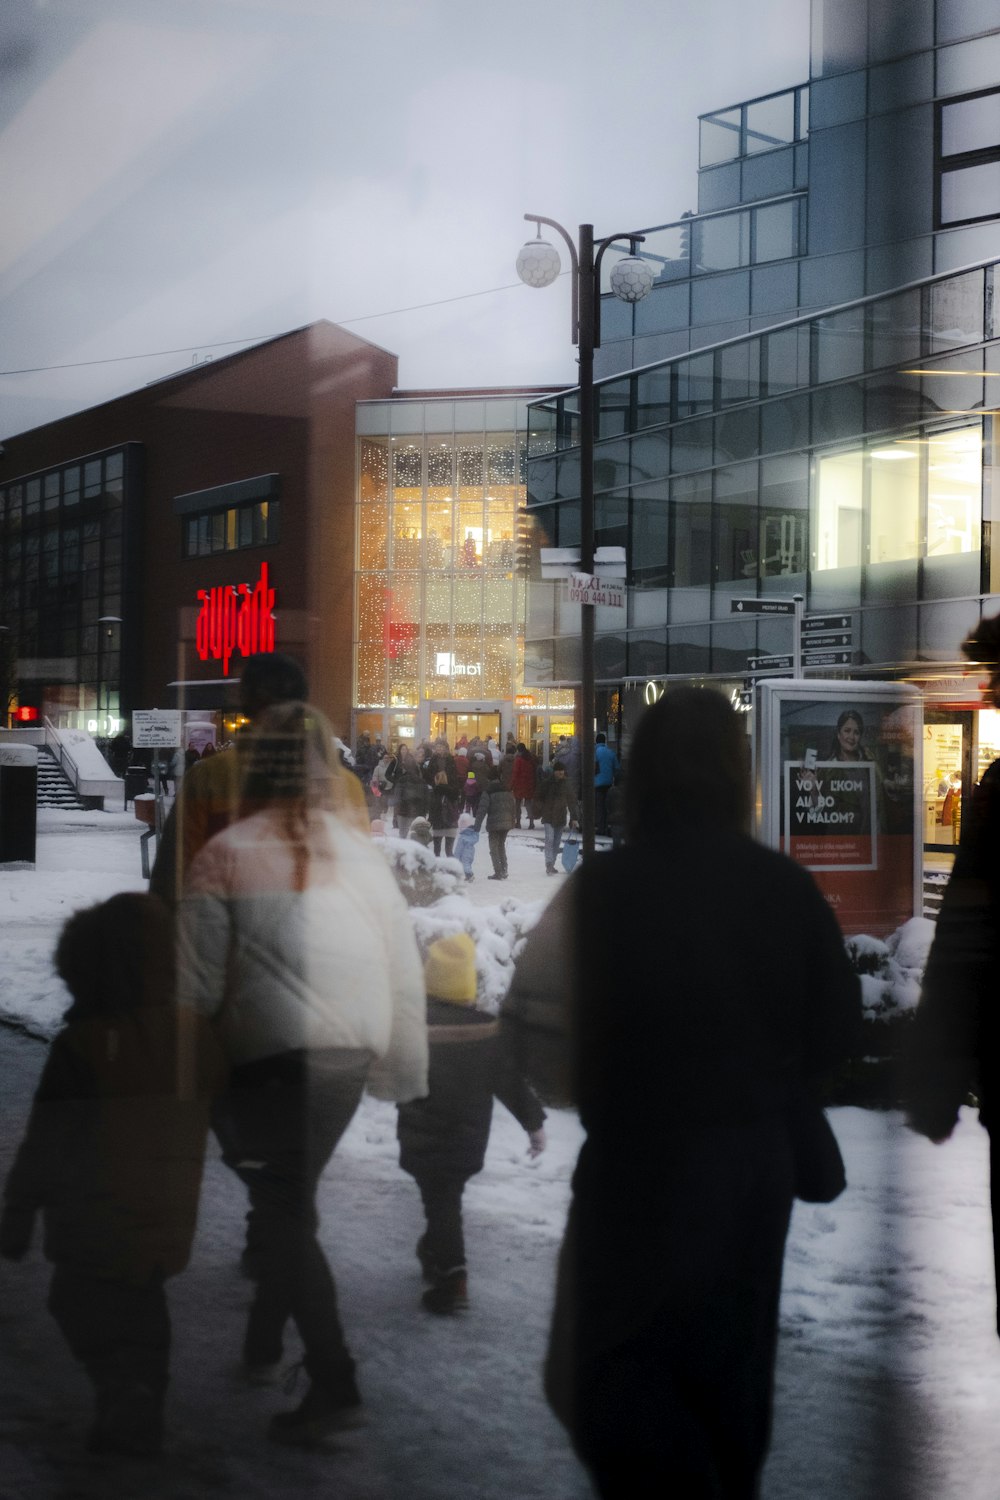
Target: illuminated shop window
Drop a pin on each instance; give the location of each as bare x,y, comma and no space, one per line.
837,518
954,491
944,468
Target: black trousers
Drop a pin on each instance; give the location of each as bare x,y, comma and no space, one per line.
498,850
279,1123
444,1243
120,1333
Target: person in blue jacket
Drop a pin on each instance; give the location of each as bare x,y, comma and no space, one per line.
606,766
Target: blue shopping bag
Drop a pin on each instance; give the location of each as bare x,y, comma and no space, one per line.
570,851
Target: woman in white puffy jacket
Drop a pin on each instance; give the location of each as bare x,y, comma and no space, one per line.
295,940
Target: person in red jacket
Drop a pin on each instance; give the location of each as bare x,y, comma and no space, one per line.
523,782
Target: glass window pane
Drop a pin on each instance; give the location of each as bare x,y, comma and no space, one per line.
762,177
720,301
970,124
895,330
958,18
895,502
374,467
690,546
739,372
613,408
786,360
246,526
776,235
720,138
653,397
718,188
837,512
722,243
970,65
770,123
840,344
784,502
957,312
970,193
736,558
954,491
648,553
695,385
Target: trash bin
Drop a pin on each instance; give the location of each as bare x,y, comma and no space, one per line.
18,803
136,782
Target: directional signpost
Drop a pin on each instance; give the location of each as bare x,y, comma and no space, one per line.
762,606
828,640
817,641
770,664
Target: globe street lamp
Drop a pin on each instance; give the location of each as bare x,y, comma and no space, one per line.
538,265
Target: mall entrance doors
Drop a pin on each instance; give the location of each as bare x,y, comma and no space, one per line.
452,722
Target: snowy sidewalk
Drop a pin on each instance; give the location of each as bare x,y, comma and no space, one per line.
888,1378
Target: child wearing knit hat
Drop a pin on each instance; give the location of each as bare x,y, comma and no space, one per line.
442,1138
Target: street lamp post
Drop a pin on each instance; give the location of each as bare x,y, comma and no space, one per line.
631,278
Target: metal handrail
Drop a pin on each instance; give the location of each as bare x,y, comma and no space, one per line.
55,744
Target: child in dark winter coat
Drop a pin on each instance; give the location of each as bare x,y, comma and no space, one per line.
442,1138
112,1159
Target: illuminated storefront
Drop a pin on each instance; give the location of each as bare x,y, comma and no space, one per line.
439,586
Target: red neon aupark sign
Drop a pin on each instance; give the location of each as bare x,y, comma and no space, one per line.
235,618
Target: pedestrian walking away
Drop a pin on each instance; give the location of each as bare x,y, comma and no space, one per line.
296,942
112,1159
694,1082
443,1137
555,802
498,810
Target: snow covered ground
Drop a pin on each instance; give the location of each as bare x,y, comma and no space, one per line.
889,1365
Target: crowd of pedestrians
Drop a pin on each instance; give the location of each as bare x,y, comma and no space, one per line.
272,974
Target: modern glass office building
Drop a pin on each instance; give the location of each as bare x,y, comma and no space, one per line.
846,454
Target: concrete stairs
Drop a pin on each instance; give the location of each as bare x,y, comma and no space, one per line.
54,787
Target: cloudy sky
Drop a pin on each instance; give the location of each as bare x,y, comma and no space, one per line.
178,174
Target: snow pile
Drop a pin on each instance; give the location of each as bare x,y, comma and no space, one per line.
891,971
497,931
422,876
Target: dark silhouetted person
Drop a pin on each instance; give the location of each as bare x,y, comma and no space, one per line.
209,797
296,943
955,1043
443,1138
687,1004
112,1159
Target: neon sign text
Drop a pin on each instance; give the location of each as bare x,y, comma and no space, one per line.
235,619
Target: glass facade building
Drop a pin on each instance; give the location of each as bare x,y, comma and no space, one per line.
881,169
440,565
806,401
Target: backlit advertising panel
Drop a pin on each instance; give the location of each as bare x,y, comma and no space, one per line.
838,776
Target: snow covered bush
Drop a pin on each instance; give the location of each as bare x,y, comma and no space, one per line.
890,972
422,876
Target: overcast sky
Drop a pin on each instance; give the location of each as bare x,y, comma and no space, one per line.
179,173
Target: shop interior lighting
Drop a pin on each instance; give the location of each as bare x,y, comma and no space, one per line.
892,453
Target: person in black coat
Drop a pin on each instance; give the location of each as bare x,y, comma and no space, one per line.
442,1138
112,1160
444,796
954,1048
685,1004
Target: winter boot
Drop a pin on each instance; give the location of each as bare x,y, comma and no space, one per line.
329,1406
129,1420
449,1294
